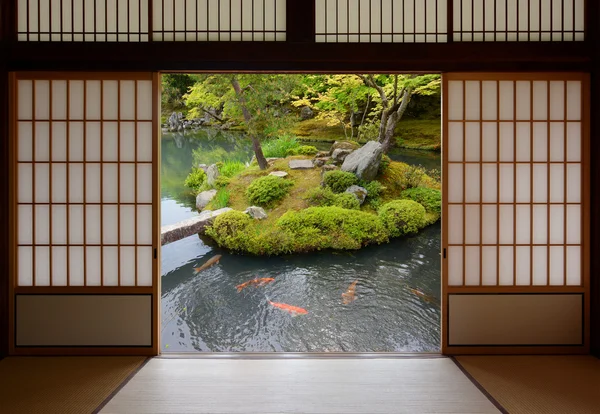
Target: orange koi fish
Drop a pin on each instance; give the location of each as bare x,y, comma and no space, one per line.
257,282
424,296
350,294
213,260
294,310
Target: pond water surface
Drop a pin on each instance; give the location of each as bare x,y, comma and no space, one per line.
205,312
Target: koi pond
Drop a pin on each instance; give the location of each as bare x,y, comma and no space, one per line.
394,305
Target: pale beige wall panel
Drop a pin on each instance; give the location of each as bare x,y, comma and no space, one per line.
83,320
523,319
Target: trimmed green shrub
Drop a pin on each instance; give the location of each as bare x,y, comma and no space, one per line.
402,217
278,148
347,200
374,189
222,181
265,191
230,230
303,150
429,198
195,179
339,181
320,197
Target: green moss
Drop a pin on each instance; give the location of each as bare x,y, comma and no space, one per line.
265,191
419,134
429,198
302,150
229,230
402,217
339,181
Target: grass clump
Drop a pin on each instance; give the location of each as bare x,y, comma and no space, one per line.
339,181
279,148
220,200
303,150
428,197
402,217
195,179
265,191
230,168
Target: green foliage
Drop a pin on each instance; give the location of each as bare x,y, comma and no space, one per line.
265,191
220,200
402,217
374,189
429,198
339,181
414,175
303,150
324,197
195,179
222,181
229,168
347,200
384,164
280,147
230,230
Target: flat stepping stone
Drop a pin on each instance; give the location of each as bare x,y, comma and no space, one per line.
301,164
189,227
279,174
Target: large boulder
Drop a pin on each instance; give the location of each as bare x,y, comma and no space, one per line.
340,154
306,113
204,198
359,192
257,213
348,145
301,164
364,162
212,173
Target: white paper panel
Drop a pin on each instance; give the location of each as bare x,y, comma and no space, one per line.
455,141
574,100
110,224
93,266
92,183
110,183
506,263
42,141
42,224
42,99
92,141
76,183
127,266
557,141
127,184
75,140
25,225
472,265
573,224
523,265
127,141
25,266
92,100
144,225
455,265
42,266
540,100
110,142
455,100
489,220
540,224
144,141
557,224
455,183
127,224
127,101
455,224
506,224
488,257
42,173
144,265
472,224
507,105
557,100
59,224
59,99
472,185
110,266
574,183
507,141
144,183
25,183
472,141
523,141
540,141
59,266
490,183
557,265
507,183
75,100
573,141
523,218
523,100
76,224
110,101
144,100
573,265
25,98
490,141
76,266
557,183
540,265
540,183
59,141
472,100
523,183
93,218
490,100
25,141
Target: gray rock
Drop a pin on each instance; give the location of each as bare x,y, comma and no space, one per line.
324,169
340,154
364,162
306,113
343,145
301,164
257,213
359,192
322,154
189,227
204,198
319,162
212,173
203,167
281,174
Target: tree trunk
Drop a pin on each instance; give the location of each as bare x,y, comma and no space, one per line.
386,131
260,158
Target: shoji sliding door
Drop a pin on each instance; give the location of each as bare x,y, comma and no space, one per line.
85,221
516,213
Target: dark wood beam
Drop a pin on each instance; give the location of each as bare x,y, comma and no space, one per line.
4,216
300,21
